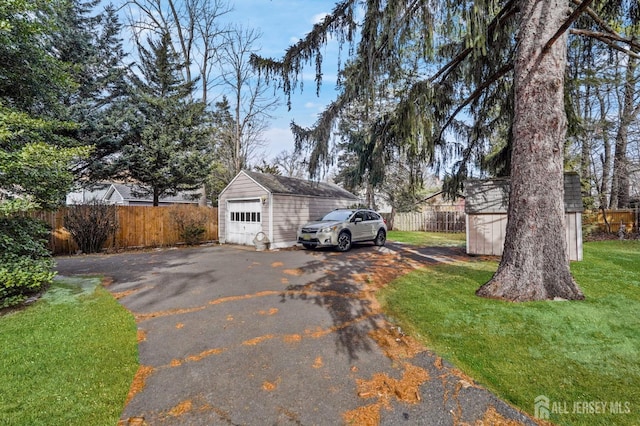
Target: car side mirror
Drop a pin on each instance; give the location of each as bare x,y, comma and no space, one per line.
357,220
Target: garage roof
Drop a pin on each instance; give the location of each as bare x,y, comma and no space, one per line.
492,195
292,186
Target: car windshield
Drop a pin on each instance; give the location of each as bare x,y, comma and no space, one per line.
338,215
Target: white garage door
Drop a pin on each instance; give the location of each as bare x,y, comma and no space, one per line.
244,221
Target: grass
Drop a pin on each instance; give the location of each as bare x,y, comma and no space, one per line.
438,239
68,359
571,352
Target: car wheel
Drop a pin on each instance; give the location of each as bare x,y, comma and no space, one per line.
307,246
344,241
381,238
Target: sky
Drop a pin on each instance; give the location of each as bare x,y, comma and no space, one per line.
282,23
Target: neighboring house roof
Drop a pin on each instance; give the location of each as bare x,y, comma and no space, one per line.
492,195
293,186
125,193
130,192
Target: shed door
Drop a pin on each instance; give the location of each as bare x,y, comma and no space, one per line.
244,221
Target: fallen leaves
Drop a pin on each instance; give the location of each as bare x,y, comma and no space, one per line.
139,381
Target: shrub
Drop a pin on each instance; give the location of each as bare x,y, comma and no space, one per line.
191,222
25,262
91,224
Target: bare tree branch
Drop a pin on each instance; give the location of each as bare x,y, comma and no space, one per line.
565,26
610,40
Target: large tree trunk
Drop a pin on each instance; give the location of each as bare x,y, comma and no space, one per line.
535,263
156,197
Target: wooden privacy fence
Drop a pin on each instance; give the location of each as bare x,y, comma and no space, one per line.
628,217
431,221
138,226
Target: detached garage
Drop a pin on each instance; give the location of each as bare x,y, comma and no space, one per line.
486,204
274,205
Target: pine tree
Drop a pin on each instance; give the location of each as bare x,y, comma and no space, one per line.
168,149
91,43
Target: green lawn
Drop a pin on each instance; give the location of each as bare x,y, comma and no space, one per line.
69,359
574,353
439,239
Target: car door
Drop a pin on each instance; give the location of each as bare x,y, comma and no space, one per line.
359,230
371,221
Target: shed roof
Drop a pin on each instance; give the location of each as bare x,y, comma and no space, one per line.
293,186
492,195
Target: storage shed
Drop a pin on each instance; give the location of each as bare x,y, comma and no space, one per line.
275,205
486,204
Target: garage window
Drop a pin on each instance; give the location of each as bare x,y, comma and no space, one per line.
245,217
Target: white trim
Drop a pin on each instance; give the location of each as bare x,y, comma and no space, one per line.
270,199
579,236
252,198
230,201
221,238
256,182
228,185
466,227
107,195
242,172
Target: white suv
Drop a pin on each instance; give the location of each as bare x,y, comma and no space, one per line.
342,227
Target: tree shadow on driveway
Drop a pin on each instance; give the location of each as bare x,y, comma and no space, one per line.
128,267
345,289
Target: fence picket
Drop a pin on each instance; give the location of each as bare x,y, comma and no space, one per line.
139,226
432,221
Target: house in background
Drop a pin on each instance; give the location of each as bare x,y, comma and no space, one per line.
126,194
486,204
274,205
439,202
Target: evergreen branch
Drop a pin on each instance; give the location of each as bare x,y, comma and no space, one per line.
304,50
507,11
476,93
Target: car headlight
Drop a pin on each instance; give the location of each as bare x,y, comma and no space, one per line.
328,229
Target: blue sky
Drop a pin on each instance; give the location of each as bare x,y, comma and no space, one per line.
282,23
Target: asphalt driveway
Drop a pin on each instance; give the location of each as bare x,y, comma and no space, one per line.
232,336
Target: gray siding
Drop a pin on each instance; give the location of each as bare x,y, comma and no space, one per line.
290,212
492,195
486,233
573,235
241,188
486,203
